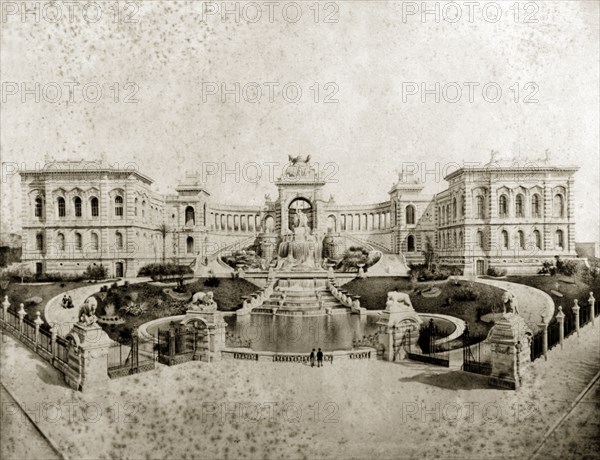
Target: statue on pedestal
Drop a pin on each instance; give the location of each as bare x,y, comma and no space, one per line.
87,312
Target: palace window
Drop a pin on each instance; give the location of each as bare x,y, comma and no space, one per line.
61,242
77,203
560,243
521,236
95,241
505,240
119,206
119,240
62,209
480,207
410,242
538,239
410,215
535,206
94,206
503,206
39,207
480,239
519,212
190,245
135,208
454,208
39,242
78,241
559,210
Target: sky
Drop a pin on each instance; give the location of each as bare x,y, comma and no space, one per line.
364,87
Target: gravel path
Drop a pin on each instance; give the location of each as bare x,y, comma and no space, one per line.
64,318
532,302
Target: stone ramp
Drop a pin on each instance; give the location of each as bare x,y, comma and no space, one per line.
389,265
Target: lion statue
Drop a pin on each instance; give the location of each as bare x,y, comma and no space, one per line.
203,301
398,301
87,312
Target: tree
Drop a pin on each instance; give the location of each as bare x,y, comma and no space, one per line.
164,230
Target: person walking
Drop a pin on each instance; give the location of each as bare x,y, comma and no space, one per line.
319,358
312,358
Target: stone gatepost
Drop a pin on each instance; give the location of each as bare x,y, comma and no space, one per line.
38,322
560,317
544,328
576,313
509,340
88,357
398,327
215,328
6,305
21,314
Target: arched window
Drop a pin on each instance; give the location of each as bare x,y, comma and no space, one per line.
454,208
410,243
119,206
144,209
135,207
39,207
519,211
460,239
94,206
62,209
503,206
77,204
410,215
480,208
538,239
119,240
521,236
78,241
536,206
39,242
505,240
190,245
61,242
559,208
331,223
480,239
560,243
94,241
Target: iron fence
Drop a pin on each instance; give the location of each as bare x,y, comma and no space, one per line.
426,349
124,359
29,329
553,334
476,354
45,340
537,346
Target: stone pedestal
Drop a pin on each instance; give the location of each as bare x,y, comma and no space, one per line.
215,326
510,340
88,357
398,327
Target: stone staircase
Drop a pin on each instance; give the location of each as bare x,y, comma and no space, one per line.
302,297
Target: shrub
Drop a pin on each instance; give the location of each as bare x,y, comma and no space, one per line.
167,270
423,273
465,294
95,272
493,271
212,281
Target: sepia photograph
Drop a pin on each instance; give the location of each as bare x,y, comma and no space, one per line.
304,229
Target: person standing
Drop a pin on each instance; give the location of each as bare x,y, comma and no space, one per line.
312,358
319,358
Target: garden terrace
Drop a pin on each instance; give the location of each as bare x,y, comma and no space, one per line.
485,299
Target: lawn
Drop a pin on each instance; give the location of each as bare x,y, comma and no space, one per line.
19,293
570,287
373,292
159,304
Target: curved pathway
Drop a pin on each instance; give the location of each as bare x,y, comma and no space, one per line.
63,319
532,302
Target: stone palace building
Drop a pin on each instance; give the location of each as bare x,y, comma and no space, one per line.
77,213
